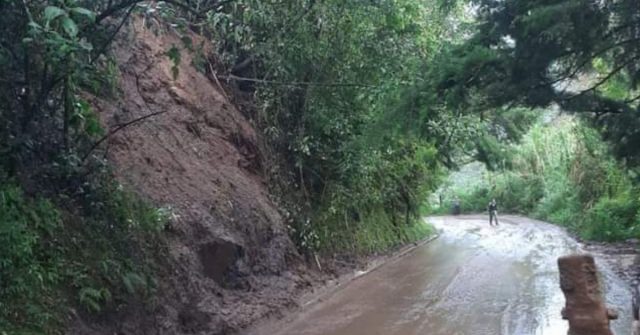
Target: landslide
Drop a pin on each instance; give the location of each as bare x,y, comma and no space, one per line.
230,261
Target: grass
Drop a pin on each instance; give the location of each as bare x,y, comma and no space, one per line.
374,233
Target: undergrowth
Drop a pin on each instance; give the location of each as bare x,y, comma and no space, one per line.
71,238
98,254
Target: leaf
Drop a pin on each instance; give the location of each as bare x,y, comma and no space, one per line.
53,12
90,298
70,27
35,26
133,282
84,44
84,12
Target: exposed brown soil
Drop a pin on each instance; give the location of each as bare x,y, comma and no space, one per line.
623,257
230,261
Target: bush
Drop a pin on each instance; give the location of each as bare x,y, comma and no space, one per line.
31,266
559,204
514,193
562,172
98,255
611,219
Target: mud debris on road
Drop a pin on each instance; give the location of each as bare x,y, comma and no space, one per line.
474,279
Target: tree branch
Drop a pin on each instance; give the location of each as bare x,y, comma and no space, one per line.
114,9
116,129
606,78
296,84
573,72
106,44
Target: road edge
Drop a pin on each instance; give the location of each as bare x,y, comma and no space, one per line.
325,291
337,284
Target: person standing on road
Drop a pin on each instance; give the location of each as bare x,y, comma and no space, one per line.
493,212
456,206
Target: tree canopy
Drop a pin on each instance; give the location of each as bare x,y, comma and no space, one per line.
581,55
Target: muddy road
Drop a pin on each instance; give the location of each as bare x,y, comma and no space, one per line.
474,279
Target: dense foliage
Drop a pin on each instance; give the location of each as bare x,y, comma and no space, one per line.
330,79
361,104
560,172
100,257
577,55
581,55
69,235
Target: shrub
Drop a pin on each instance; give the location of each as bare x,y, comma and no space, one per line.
98,255
562,172
611,219
31,266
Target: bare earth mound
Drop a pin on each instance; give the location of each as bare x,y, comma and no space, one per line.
231,261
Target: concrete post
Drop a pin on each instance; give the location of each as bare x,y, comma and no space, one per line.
584,308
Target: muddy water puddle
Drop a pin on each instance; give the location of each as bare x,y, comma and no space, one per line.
474,279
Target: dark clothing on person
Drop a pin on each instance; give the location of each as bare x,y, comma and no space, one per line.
493,213
456,207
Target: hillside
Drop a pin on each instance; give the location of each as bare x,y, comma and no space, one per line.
178,167
230,259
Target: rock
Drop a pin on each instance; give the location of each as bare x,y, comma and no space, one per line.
218,257
584,308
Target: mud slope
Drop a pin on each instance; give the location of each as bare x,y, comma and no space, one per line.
231,261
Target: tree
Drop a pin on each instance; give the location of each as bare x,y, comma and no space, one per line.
330,77
538,53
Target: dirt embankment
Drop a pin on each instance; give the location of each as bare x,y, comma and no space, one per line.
623,257
231,261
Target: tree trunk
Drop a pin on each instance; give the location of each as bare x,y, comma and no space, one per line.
66,115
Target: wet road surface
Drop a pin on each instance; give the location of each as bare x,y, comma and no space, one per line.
474,279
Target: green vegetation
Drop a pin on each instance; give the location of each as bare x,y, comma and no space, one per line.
560,172
103,255
330,79
577,54
363,106
70,237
